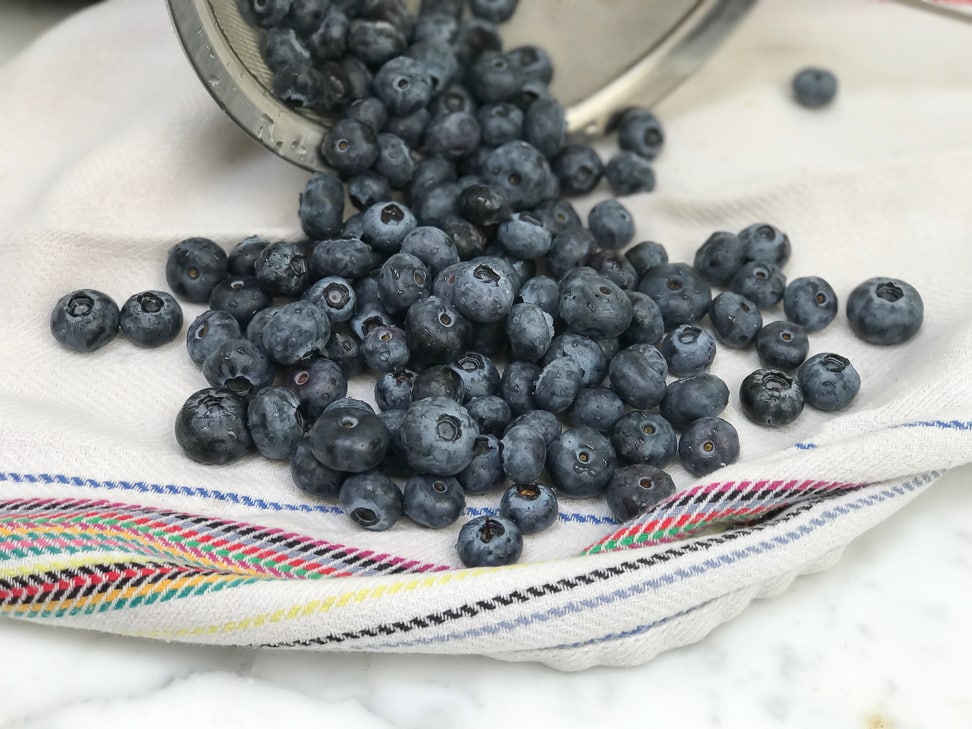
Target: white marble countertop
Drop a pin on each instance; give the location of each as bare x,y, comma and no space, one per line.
877,642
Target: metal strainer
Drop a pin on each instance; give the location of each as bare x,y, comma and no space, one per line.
640,50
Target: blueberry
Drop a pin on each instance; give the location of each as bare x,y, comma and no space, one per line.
439,61
656,360
829,382
321,206
885,311
544,292
370,111
350,147
344,350
433,501
404,279
489,541
475,37
579,169
782,345
240,296
306,15
438,381
452,135
557,215
299,86
300,330
534,63
485,470
735,320
404,85
436,27
371,500
490,412
718,259
696,397
557,385
410,127
282,269
211,427
454,99
594,306
771,397
330,39
432,246
352,403
484,205
283,47
643,437
682,295
597,407
761,283
586,352
238,365
611,224
386,225
484,292
376,42
477,373
495,11
531,506
523,236
543,422
385,348
151,318
814,87
646,255
334,296
517,386
439,436
194,267
689,350
635,380
530,330
85,320
765,243
635,489
436,331
275,422
524,451
571,248
349,440
318,382
340,83
258,324
492,77
264,13
207,330
242,259
394,162
581,462
531,91
519,169
628,174
810,302
370,316
707,445
311,476
396,461
345,258
545,126
647,325
614,266
393,390
639,131
499,123
435,205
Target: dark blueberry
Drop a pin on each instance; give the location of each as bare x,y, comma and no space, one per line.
151,318
393,390
597,407
542,421
238,365
530,330
485,470
439,436
490,412
342,82
771,397
885,311
581,462
690,350
593,306
761,283
517,386
557,215
283,47
636,488
318,382
367,189
299,86
352,403
396,461
495,11
343,348
404,279
437,27
611,224
810,302
643,437
478,374
579,169
765,243
371,500
275,422
639,131
814,87
492,77
322,206
735,320
194,267
628,174
211,427
369,110
403,85
410,127
439,61
647,325
258,324
432,246
282,269
349,439
350,147
571,248
242,259
311,476
646,255
718,259
334,295
521,170
207,330
696,397
585,351
523,236
500,122
385,348
394,161
306,15
436,331
656,359
438,381
544,292
545,126
635,380
85,320
531,506
484,205
444,286
707,445
829,382
782,345
532,90
434,502
264,13
386,225
524,452
475,37
681,293
557,386
484,292
241,297
489,541
330,39
609,345
454,99
534,63
614,266
435,205
376,42
300,330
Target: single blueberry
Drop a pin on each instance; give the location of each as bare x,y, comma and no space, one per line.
635,489
432,246
761,283
371,500
151,318
518,386
519,169
639,131
735,320
211,427
635,380
264,13
524,452
579,169
771,397
643,437
350,147
692,398
475,37
282,269
242,259
782,345
403,85
193,267
544,292
385,226
434,502
439,60
535,63
593,306
531,506
689,350
299,86
581,462
682,295
814,87
329,40
238,365
586,352
311,476
485,470
650,352
829,382
477,373
318,382
376,42
349,440
597,407
557,215
207,330
646,255
84,320
452,135
495,11
275,422
530,330
394,163
707,445
484,292
489,541
438,381
393,390
628,174
283,47
611,224
571,249
885,311
334,296
439,436
545,126
410,127
810,302
300,330
436,27
385,348
370,110
321,208
614,266
490,412
436,331
765,243
718,259
242,297
499,123
557,386
344,350
647,325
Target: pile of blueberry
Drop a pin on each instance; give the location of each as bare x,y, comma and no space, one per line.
465,254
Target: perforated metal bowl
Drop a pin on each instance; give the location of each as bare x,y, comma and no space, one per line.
607,54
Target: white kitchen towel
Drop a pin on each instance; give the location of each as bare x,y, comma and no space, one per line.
111,151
